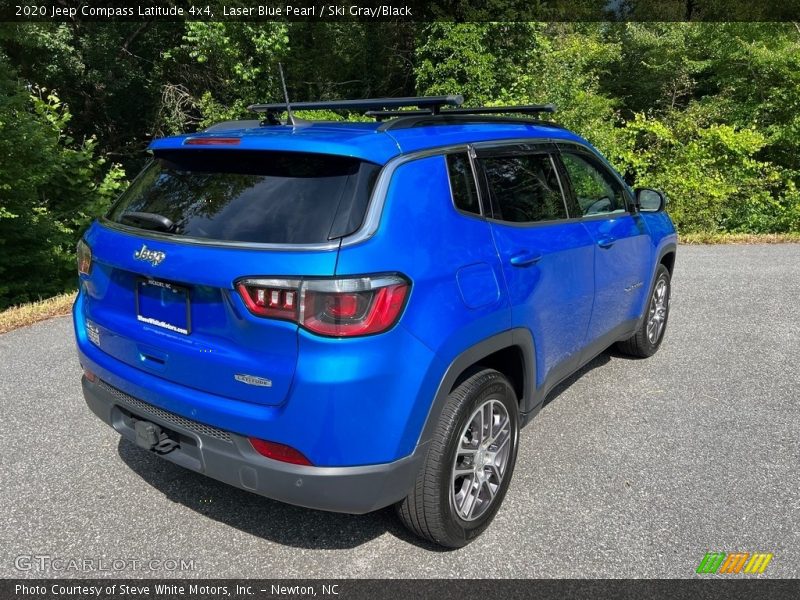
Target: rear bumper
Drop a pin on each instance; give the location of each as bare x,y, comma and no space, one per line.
230,458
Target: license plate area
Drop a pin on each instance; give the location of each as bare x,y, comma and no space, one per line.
164,305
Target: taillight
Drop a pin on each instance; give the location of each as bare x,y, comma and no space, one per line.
347,307
84,258
280,452
277,298
342,307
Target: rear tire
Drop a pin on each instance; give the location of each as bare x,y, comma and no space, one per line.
647,339
469,464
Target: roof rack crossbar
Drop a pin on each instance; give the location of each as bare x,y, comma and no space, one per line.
432,103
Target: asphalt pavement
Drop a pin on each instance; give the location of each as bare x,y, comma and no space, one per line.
634,468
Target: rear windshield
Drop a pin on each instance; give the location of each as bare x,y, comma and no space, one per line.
264,197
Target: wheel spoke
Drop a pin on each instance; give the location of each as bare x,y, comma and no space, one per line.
503,443
463,467
463,492
492,490
501,429
488,414
471,498
496,469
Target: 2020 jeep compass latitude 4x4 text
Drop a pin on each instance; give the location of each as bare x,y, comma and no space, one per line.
346,316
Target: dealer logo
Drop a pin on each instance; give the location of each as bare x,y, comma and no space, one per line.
732,563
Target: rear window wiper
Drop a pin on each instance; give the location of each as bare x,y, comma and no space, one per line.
155,221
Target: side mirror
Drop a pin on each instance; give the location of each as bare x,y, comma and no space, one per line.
650,200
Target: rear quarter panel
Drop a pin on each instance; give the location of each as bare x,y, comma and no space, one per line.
458,293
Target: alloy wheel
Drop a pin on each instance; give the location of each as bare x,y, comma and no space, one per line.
484,448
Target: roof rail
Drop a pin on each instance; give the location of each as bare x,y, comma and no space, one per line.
431,104
479,114
523,109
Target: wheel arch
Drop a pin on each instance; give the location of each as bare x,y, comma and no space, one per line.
667,258
511,352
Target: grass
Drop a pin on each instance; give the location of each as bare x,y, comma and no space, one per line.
739,238
27,314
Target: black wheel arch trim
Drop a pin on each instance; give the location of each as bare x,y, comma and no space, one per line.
668,248
519,337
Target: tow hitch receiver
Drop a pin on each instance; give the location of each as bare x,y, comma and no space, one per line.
151,437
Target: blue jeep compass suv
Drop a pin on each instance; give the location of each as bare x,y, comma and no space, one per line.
350,315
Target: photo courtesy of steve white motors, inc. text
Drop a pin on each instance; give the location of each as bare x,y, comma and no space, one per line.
170,589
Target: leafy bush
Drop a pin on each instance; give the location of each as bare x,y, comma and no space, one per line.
50,188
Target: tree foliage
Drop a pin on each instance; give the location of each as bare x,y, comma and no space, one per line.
709,112
51,186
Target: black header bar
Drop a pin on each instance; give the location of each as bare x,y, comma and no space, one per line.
399,10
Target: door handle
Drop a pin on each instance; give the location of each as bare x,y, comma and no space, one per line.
525,258
606,242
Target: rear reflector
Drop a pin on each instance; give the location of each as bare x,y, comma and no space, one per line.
84,258
343,307
89,375
280,452
213,141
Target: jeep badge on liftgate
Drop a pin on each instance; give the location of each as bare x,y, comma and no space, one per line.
154,257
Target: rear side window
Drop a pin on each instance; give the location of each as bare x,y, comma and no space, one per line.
258,196
462,183
524,188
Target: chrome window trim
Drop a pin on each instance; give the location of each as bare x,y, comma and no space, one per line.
472,156
480,214
377,200
368,227
193,241
560,185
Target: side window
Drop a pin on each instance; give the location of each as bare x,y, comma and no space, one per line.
524,188
595,190
462,183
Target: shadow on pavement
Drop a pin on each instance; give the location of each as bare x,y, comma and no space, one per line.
598,361
274,521
283,523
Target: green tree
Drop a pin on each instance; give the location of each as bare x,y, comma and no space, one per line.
51,186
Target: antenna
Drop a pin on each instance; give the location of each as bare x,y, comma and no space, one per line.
289,115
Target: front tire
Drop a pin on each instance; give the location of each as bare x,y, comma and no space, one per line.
469,463
647,339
